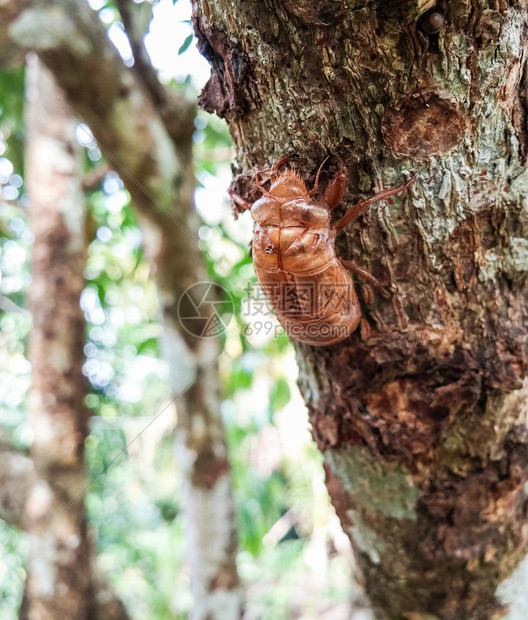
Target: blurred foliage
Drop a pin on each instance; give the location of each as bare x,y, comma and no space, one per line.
293,556
12,574
12,117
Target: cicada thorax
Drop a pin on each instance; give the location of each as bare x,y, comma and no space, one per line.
293,253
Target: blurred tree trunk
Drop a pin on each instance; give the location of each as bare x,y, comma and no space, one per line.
60,582
17,477
421,414
145,131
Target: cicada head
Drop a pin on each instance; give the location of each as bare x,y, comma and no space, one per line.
288,185
285,189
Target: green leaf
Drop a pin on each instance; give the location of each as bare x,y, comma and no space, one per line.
279,394
149,346
185,45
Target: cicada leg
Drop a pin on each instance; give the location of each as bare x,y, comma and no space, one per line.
280,162
316,182
239,200
347,264
336,188
355,211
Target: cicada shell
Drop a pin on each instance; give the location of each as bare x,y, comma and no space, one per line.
307,285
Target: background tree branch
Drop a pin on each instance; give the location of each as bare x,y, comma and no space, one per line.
147,135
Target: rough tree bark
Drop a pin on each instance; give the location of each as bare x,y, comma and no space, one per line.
146,132
60,581
432,389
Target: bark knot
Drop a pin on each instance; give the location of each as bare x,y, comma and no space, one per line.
424,124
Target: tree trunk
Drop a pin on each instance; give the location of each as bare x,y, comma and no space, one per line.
145,131
17,477
59,583
421,414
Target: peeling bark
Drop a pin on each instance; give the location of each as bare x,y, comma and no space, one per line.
147,134
432,389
